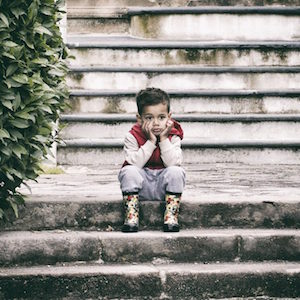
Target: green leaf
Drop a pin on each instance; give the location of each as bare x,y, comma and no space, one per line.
11,83
6,151
56,73
40,61
10,44
17,135
11,69
46,109
4,19
17,12
19,123
4,133
25,115
42,30
7,104
17,101
14,206
8,55
46,11
18,150
20,78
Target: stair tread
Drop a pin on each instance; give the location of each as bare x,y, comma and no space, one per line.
188,69
200,92
147,234
196,117
207,183
126,41
94,269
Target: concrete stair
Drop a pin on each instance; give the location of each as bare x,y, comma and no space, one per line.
249,73
234,88
239,238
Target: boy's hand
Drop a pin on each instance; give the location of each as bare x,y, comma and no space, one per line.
164,135
147,127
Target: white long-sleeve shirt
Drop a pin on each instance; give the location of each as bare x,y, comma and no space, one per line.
171,153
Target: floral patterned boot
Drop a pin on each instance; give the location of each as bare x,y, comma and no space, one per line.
171,212
131,213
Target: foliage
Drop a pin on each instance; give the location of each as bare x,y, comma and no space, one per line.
32,91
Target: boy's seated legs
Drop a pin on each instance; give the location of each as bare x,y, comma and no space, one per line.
173,182
131,182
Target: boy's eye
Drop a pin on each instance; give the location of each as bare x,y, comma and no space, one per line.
162,117
148,118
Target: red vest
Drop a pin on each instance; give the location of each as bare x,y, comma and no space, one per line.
155,161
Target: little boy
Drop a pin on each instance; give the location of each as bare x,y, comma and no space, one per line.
153,156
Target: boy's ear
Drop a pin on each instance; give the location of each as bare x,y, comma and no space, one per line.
139,119
170,115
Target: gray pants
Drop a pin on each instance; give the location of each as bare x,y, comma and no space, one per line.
152,184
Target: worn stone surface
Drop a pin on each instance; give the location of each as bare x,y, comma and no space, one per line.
175,281
216,195
190,246
187,104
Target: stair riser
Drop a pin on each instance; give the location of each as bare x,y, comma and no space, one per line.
183,57
280,130
98,25
211,27
175,3
179,105
216,27
115,248
153,283
100,156
182,81
108,286
80,215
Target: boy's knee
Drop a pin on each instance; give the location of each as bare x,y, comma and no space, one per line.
130,179
175,172
130,172
174,179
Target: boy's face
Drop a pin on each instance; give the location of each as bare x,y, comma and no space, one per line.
157,115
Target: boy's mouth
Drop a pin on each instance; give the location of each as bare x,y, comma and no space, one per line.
156,130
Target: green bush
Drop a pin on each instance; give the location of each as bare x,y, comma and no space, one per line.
32,91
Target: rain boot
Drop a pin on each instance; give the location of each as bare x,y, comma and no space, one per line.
131,213
171,212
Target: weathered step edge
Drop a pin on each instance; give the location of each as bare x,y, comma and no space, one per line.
295,10
126,13
192,93
186,144
148,281
155,44
81,213
222,118
176,69
201,246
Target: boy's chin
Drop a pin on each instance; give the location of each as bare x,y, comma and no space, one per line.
156,133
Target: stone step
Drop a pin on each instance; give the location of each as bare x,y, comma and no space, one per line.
132,52
213,23
215,196
168,281
117,4
98,151
187,78
193,101
195,126
216,23
197,246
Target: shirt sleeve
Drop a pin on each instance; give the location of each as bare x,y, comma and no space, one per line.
135,155
171,153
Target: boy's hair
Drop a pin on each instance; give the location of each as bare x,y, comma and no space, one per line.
151,96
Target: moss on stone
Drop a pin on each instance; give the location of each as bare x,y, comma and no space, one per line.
77,76
113,105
